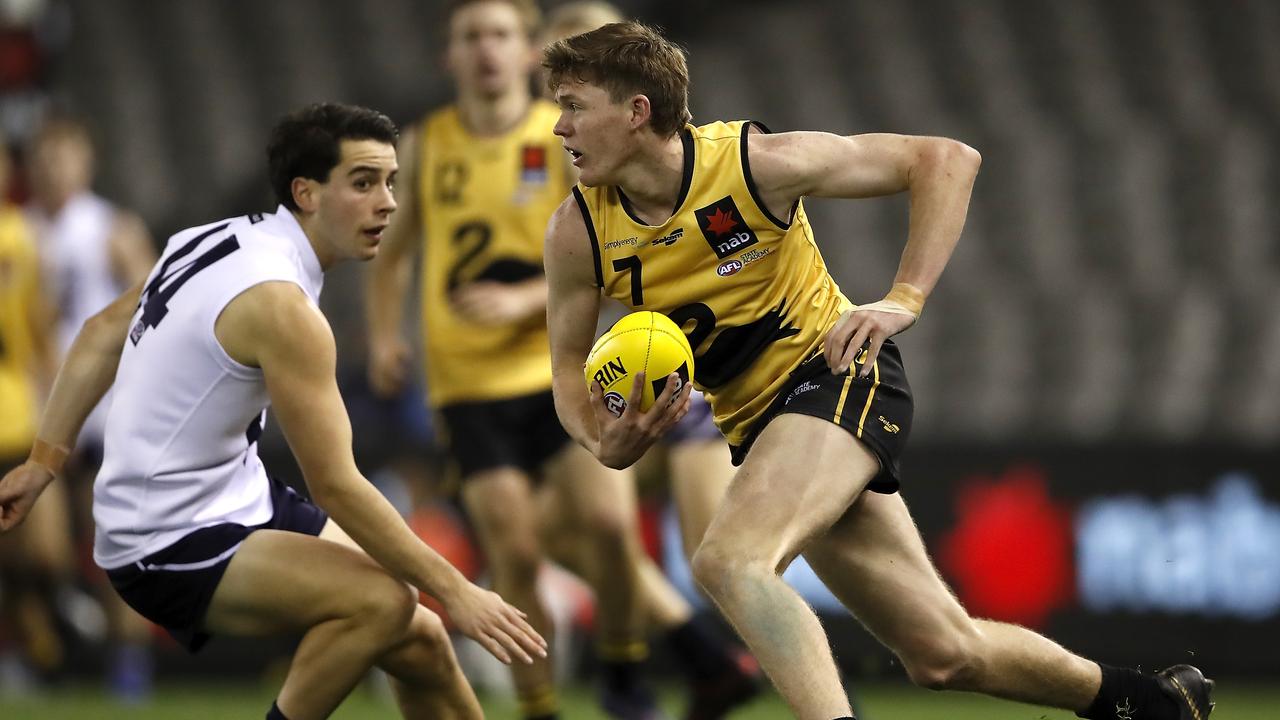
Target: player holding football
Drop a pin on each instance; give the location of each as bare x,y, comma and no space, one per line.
694,451
479,180
799,377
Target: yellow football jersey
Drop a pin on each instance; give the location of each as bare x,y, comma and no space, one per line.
750,290
486,202
19,285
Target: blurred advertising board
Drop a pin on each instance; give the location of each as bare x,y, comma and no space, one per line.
1140,556
1128,555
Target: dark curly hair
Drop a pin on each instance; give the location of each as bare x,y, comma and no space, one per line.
308,142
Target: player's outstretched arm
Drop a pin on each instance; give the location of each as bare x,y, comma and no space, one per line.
390,275
938,173
275,327
573,307
85,376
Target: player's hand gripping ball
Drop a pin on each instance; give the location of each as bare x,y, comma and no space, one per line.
647,342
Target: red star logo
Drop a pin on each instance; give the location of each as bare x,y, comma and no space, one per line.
1010,553
721,222
535,158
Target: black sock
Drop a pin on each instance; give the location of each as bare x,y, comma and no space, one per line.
1127,694
275,713
699,649
550,716
620,676
620,664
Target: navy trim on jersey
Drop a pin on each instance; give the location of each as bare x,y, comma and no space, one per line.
591,233
686,139
686,181
751,183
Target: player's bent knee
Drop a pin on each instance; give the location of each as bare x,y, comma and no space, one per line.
428,629
387,606
432,640
425,657
946,664
711,566
608,525
716,567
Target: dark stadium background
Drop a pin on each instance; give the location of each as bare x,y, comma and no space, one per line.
1098,391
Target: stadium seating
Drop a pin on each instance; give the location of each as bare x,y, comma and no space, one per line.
1118,276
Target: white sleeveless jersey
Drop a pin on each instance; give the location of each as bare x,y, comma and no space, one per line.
76,259
182,429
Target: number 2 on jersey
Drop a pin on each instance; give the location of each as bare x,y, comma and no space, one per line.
471,238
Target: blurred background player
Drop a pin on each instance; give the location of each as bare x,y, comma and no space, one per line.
479,179
90,250
37,559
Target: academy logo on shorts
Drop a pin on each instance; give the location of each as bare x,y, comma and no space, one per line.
615,403
724,228
799,390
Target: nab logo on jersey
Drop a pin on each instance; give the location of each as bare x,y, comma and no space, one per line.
725,230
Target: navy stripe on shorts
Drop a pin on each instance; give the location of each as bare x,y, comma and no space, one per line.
174,586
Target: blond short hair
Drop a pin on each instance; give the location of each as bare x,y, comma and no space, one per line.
626,58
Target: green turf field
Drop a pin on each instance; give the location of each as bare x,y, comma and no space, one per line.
879,702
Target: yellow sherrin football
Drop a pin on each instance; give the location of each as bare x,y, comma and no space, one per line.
647,342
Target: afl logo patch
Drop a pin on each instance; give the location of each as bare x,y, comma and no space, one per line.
615,403
728,267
